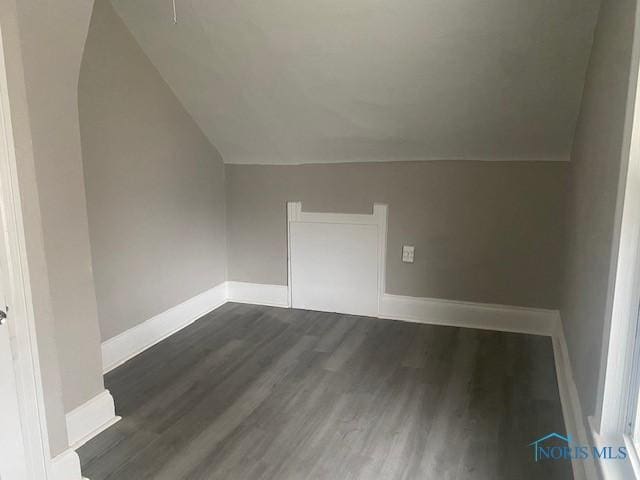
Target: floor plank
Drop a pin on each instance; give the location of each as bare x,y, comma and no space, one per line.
252,392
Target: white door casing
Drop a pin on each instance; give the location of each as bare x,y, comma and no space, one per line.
336,261
13,464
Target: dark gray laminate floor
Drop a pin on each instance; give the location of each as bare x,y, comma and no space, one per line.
252,392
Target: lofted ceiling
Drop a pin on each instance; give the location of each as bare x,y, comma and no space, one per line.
311,81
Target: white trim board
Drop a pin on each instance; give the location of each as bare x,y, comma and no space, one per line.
570,401
66,466
130,343
588,469
484,316
90,418
258,294
430,311
424,310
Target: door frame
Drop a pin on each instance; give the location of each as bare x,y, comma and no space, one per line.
21,318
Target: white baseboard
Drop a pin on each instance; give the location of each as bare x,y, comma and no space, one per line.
127,345
90,418
571,408
66,466
468,314
507,319
258,294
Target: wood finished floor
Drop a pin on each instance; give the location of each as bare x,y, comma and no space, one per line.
251,392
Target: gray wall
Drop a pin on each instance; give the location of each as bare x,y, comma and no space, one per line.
483,231
155,185
592,190
52,38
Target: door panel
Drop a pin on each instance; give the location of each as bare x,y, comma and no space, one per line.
334,267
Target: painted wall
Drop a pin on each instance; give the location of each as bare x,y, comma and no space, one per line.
483,231
155,185
52,38
592,189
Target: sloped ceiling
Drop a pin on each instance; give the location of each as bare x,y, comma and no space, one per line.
308,81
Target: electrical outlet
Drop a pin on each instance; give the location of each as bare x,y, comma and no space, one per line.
407,253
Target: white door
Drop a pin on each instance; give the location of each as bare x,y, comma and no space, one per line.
336,261
334,268
12,454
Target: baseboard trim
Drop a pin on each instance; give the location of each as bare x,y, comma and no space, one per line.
258,294
134,341
90,418
66,466
468,314
570,401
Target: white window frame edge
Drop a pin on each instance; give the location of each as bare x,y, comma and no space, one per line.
27,366
608,425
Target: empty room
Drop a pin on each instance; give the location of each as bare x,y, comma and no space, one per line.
324,240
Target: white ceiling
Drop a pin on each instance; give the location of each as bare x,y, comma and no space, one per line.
307,81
